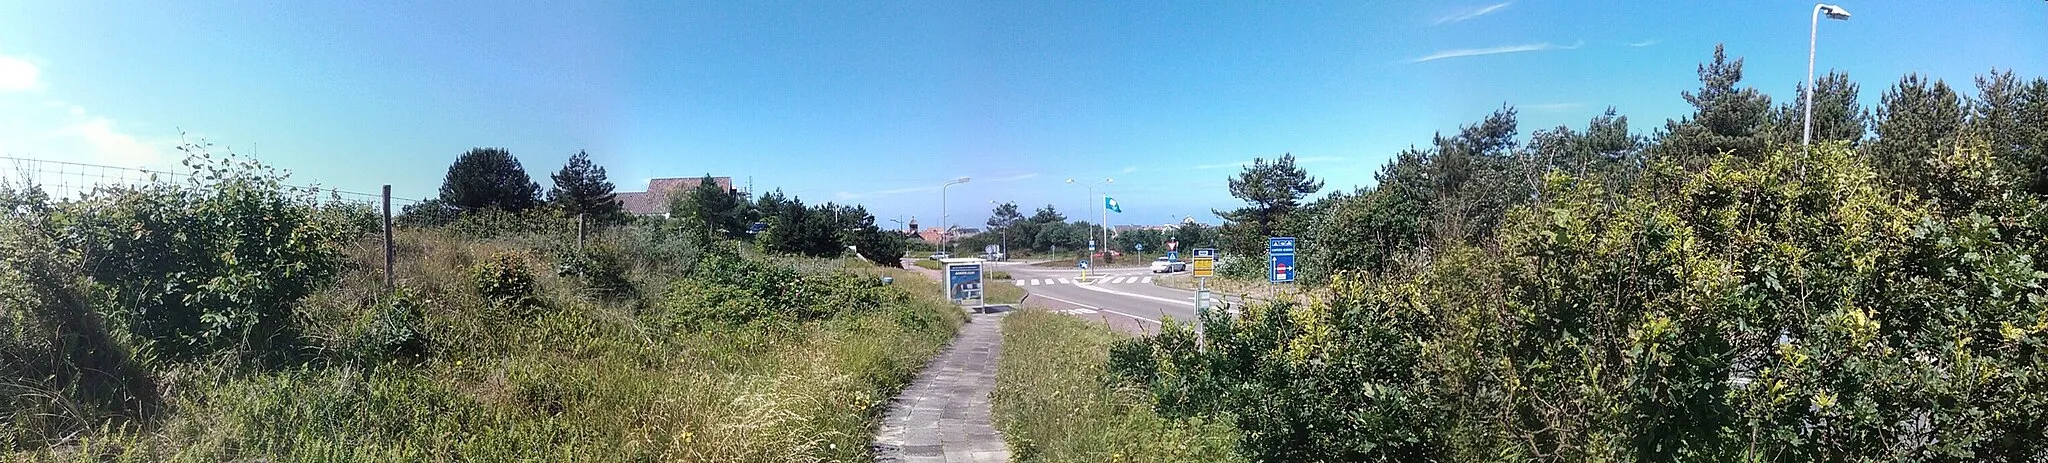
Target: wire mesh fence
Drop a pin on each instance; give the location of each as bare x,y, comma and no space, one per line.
66,180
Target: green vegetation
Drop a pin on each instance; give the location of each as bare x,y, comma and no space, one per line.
930,264
1054,401
233,319
998,275
1715,292
581,187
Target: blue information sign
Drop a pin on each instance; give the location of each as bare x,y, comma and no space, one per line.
1281,256
1205,252
1172,255
965,281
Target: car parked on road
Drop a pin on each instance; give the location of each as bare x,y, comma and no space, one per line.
940,255
1168,265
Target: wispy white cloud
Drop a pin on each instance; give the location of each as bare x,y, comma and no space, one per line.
1013,178
1474,13
17,74
1130,169
1644,43
112,146
1465,52
1552,107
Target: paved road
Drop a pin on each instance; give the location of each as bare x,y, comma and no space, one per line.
1125,298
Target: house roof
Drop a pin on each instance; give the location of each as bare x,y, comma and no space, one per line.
654,201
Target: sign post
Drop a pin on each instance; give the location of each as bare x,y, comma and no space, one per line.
963,282
1205,267
1280,259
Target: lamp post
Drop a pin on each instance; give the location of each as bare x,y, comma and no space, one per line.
1105,210
946,230
1812,41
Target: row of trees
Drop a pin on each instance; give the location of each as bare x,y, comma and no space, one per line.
1047,229
492,179
1714,291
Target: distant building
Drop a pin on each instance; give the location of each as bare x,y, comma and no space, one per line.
930,235
654,201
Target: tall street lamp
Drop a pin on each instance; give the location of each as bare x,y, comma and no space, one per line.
1105,211
1812,40
945,229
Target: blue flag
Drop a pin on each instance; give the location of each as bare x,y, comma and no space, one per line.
1110,203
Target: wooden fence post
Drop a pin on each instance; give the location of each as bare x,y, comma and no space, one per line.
388,257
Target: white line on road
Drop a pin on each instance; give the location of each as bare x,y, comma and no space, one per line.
1190,302
1148,280
1098,308
1064,281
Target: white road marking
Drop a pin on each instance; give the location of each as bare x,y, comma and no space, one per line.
1112,280
1147,280
1032,282
1101,309
1077,311
1064,281
1190,302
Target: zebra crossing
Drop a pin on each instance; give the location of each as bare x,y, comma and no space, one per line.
1113,279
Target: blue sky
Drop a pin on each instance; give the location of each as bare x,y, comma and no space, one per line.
877,103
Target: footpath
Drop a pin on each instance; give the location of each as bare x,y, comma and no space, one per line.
944,417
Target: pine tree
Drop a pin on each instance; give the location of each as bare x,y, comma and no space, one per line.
581,188
487,178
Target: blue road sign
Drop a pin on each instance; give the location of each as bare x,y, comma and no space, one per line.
965,281
1173,255
1141,247
1280,252
1205,252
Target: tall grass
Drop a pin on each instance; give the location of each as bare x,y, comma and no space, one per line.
1054,402
580,378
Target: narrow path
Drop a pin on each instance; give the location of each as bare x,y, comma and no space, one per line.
943,417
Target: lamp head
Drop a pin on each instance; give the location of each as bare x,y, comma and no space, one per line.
1834,12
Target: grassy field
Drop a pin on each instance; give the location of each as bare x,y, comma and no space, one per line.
1054,404
577,378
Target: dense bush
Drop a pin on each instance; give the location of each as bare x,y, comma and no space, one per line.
507,282
727,291
1786,307
598,267
391,330
213,263
62,371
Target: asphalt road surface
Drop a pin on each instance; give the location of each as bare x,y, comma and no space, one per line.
1124,298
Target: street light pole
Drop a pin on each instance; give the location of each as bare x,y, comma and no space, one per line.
1105,212
945,230
1812,42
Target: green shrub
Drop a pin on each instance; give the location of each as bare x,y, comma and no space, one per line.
505,280
598,267
391,330
931,264
211,264
62,372
999,275
1786,307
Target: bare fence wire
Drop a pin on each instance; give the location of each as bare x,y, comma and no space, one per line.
66,180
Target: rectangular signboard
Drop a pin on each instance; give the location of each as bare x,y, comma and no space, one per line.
1205,252
1280,252
1204,267
1173,255
963,282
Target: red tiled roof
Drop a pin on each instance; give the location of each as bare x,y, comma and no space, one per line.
654,201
